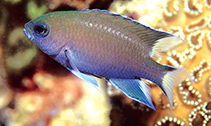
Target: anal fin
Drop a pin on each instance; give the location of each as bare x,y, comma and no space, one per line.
134,89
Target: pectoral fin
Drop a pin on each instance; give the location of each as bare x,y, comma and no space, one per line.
134,89
89,79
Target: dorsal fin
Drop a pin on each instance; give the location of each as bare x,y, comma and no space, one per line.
155,40
134,26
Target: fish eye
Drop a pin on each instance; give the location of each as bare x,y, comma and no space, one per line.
41,29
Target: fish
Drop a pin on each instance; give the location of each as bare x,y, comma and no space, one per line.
104,44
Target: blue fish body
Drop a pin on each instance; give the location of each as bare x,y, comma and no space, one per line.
104,44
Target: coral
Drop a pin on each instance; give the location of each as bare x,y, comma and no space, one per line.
78,4
170,121
92,109
20,51
188,94
192,7
190,20
194,22
53,95
3,19
13,1
179,59
200,115
199,70
172,9
6,94
146,12
40,92
58,101
36,90
164,103
196,25
208,86
34,11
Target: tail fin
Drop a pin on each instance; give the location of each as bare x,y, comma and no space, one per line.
171,79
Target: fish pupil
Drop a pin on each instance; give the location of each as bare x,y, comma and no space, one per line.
41,29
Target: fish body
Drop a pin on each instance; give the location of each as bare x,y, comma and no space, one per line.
104,44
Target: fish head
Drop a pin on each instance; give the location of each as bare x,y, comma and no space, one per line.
44,31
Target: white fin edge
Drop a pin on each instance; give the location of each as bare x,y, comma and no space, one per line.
171,80
164,45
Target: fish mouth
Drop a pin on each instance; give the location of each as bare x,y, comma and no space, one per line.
27,32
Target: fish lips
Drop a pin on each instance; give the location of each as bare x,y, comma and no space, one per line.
28,31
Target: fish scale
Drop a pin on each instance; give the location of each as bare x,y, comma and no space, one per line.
105,49
104,44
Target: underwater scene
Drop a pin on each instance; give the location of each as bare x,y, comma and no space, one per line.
35,90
